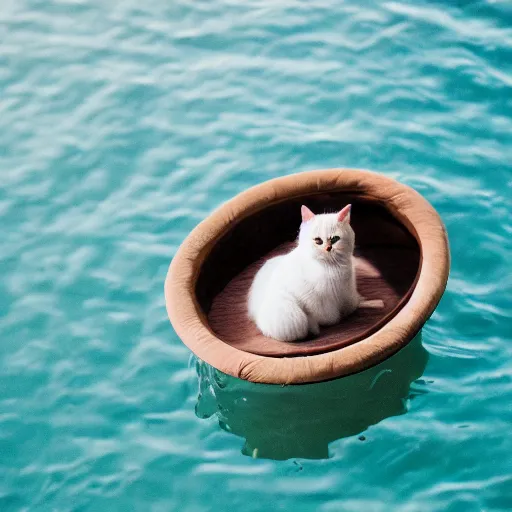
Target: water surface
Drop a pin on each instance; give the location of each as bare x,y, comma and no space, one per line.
125,123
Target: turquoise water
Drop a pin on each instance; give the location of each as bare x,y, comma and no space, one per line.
123,124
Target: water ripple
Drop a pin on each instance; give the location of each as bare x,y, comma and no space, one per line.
123,125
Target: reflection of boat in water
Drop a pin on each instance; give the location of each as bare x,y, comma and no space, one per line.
300,421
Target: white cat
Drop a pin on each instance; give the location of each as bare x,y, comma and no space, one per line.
313,285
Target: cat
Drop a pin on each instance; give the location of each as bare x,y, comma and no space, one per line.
313,285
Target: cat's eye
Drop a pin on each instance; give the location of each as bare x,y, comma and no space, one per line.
318,241
334,239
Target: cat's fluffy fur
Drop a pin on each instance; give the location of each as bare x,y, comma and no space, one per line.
292,295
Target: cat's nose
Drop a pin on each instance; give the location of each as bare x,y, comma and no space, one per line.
328,248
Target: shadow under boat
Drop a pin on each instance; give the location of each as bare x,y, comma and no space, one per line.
301,420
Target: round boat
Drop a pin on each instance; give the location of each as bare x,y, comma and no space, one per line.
402,264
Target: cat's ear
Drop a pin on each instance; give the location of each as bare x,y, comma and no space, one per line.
344,214
306,213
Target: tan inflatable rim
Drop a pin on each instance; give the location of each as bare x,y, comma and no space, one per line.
404,203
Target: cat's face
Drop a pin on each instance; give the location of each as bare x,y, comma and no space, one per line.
328,237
